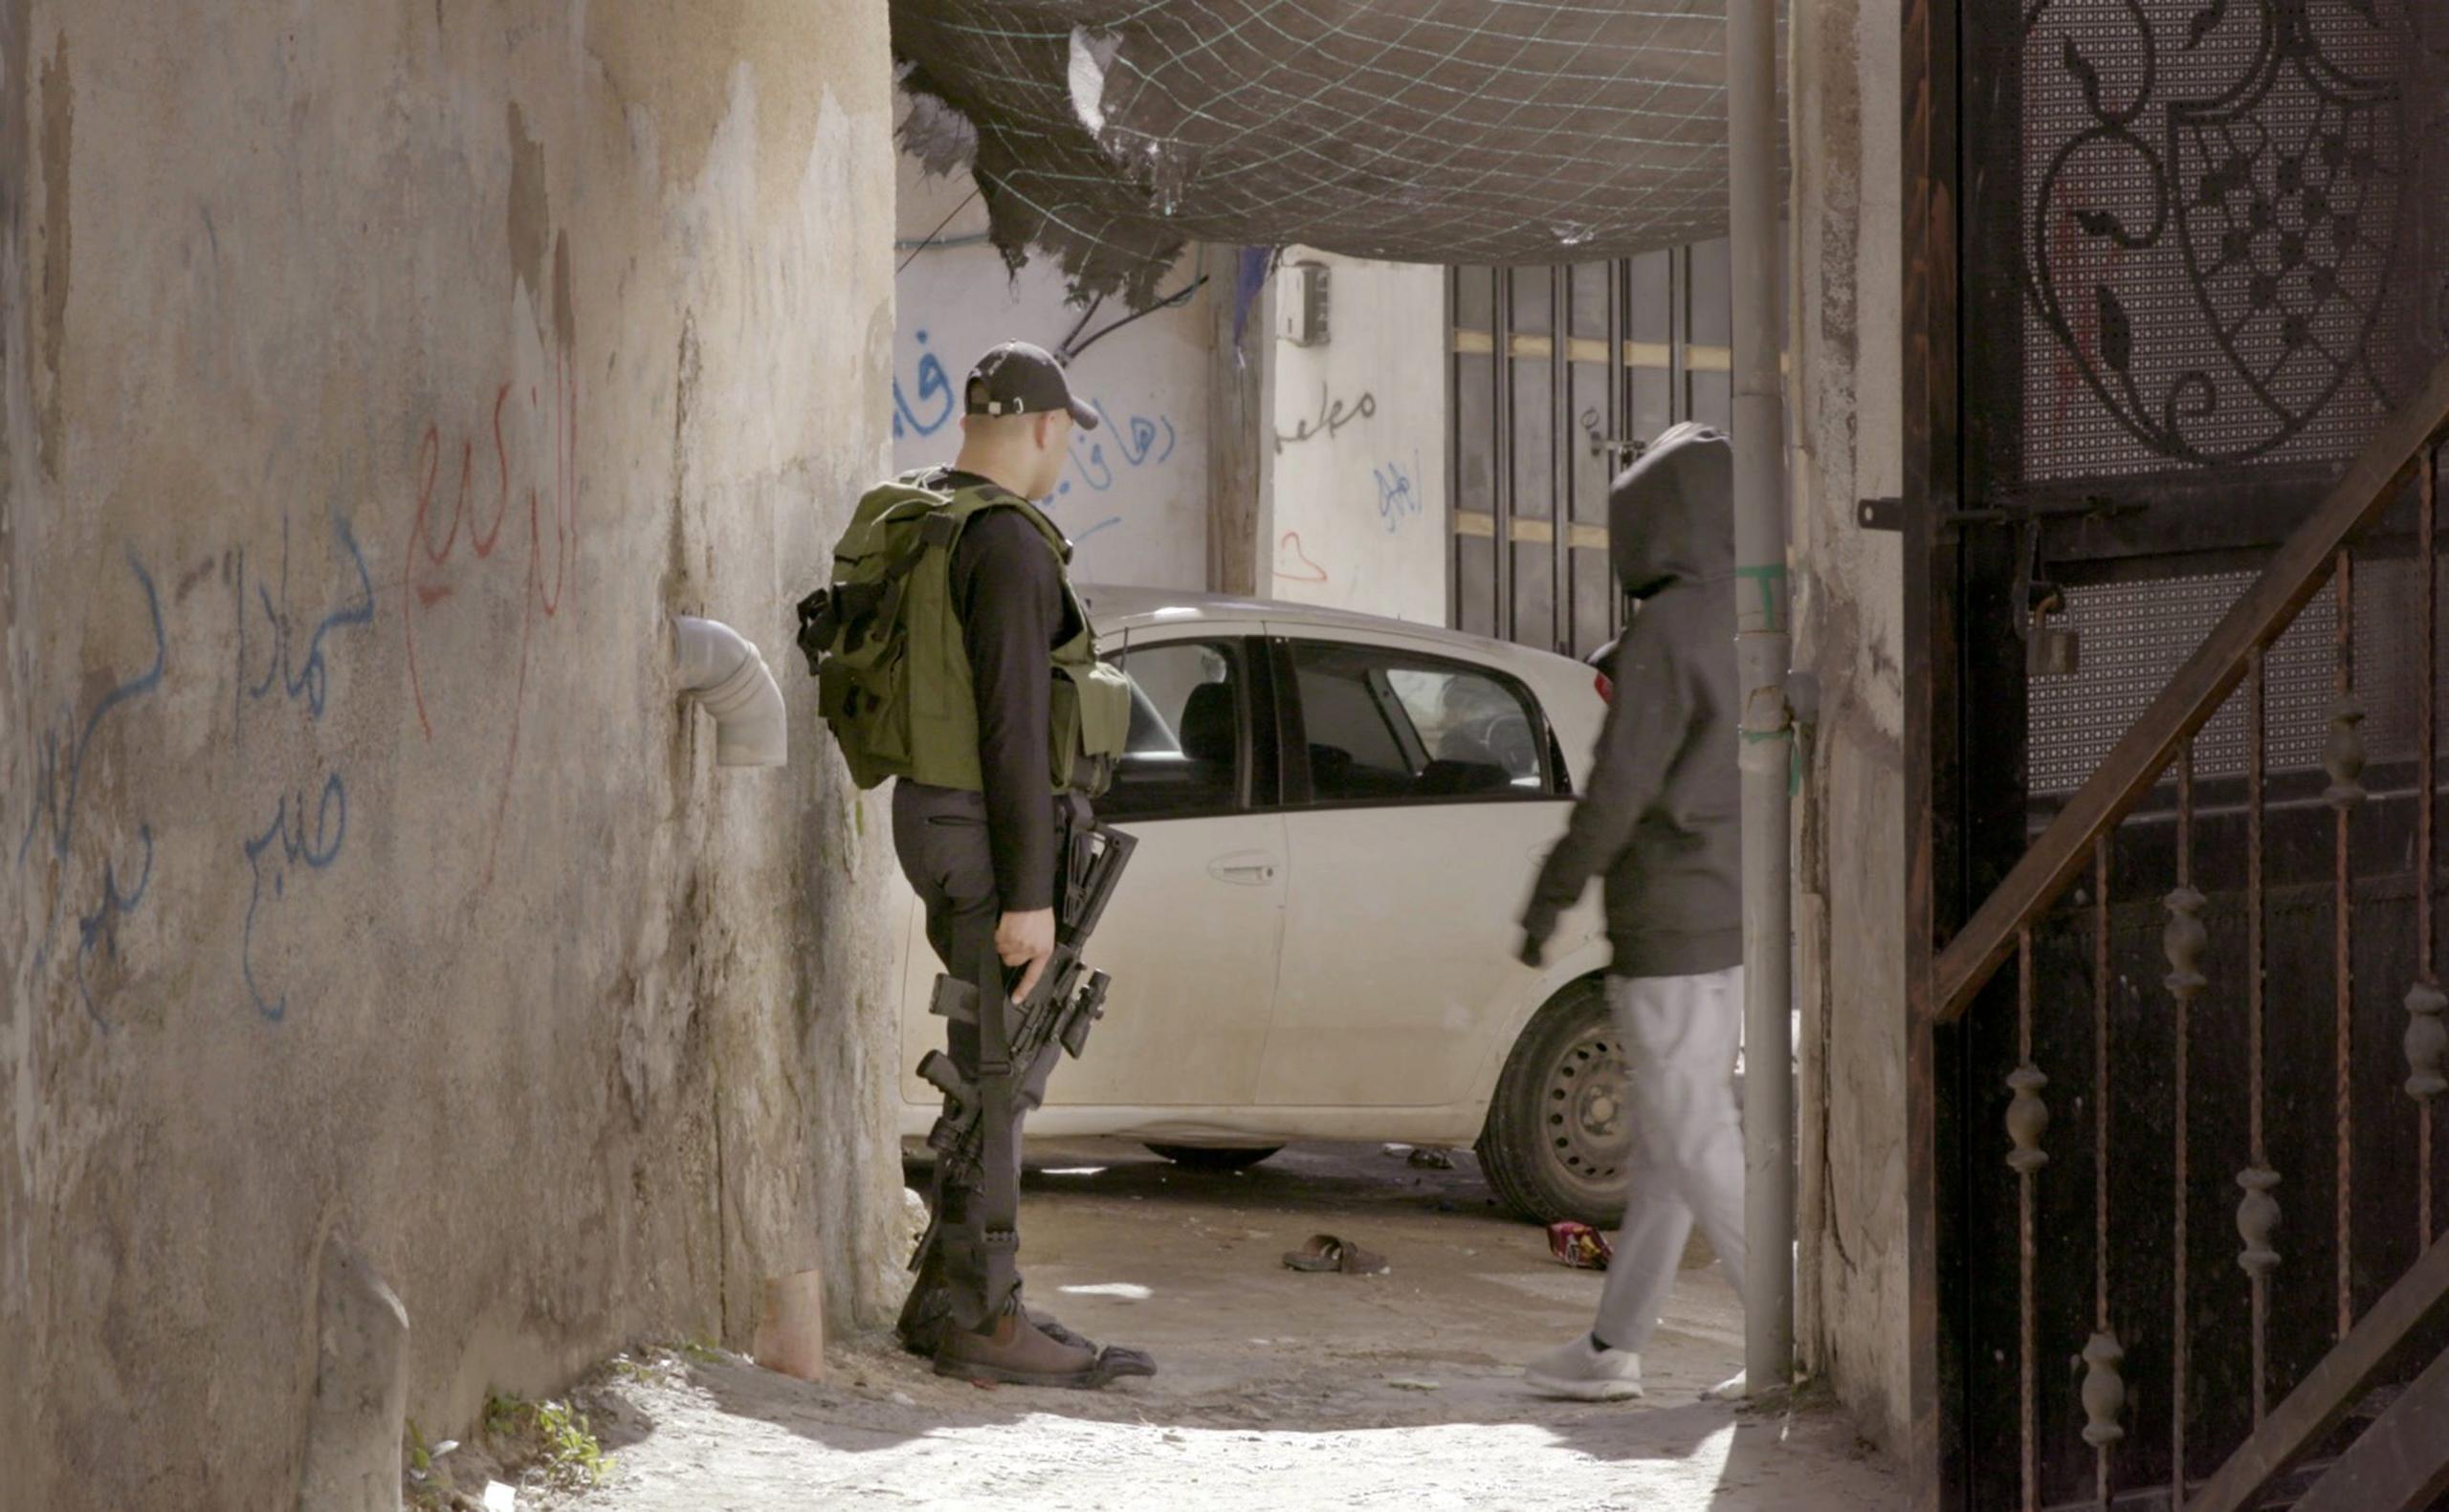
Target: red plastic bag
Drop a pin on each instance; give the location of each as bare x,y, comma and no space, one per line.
1580,1246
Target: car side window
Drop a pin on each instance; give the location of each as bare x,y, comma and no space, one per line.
1391,726
1184,752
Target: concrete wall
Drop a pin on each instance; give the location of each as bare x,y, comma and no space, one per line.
1847,419
1135,498
1357,495
376,378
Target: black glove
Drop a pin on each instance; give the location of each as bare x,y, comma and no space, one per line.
1538,925
816,628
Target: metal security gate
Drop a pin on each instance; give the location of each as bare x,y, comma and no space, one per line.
1596,356
2176,688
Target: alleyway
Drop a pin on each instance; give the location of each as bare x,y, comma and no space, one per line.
1279,1389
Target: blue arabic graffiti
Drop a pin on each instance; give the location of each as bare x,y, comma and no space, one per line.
318,853
57,803
102,924
1135,440
1397,499
1093,469
299,677
59,795
313,678
1141,434
935,390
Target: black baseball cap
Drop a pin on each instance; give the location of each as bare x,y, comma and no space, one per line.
1018,379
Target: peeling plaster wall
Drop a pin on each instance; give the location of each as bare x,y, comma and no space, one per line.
1850,882
1135,498
371,384
1357,465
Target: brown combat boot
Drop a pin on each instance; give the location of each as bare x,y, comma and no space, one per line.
1018,1351
926,1318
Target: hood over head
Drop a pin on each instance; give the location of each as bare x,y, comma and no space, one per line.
1670,516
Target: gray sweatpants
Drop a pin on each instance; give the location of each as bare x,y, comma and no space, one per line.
1680,1035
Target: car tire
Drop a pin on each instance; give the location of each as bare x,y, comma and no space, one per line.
1214,1157
1558,1131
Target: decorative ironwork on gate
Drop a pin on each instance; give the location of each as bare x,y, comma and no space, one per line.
2219,202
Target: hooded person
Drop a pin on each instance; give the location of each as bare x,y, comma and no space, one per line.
1659,823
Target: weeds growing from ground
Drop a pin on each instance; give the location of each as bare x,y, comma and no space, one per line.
551,1438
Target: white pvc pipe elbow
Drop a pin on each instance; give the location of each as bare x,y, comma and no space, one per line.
722,670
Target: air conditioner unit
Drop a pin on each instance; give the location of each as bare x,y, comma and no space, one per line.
1301,303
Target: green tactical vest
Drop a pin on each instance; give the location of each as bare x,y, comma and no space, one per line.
892,672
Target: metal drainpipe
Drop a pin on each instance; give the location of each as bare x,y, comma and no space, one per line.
1762,651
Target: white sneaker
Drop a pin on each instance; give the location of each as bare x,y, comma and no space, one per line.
1734,1388
1581,1371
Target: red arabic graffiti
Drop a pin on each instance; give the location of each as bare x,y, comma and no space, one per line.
437,569
1293,565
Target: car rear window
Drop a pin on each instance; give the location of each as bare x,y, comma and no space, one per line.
1389,726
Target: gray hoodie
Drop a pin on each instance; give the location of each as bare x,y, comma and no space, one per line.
1660,817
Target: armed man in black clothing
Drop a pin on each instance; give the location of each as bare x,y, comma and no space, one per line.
997,718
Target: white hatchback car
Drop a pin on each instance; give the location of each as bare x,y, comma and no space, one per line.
1339,820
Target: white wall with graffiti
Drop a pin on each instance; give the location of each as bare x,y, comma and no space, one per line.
1357,465
1135,498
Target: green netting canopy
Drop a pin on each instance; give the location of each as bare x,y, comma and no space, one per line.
1109,133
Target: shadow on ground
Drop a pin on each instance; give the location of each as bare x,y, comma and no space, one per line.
1374,1383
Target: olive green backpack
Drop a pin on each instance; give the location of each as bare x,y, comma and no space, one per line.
893,674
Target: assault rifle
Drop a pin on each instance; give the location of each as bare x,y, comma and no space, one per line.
976,1139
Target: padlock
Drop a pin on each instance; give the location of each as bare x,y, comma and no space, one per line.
2054,650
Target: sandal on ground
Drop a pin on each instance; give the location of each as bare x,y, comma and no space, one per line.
1324,1252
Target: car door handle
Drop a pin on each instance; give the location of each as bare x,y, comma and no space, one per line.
1249,869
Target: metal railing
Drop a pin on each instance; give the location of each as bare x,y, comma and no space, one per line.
2159,748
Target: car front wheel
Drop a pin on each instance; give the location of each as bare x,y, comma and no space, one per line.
1560,1129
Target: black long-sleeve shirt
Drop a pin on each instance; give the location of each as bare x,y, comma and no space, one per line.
1007,588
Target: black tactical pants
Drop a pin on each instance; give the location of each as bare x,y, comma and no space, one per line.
939,834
